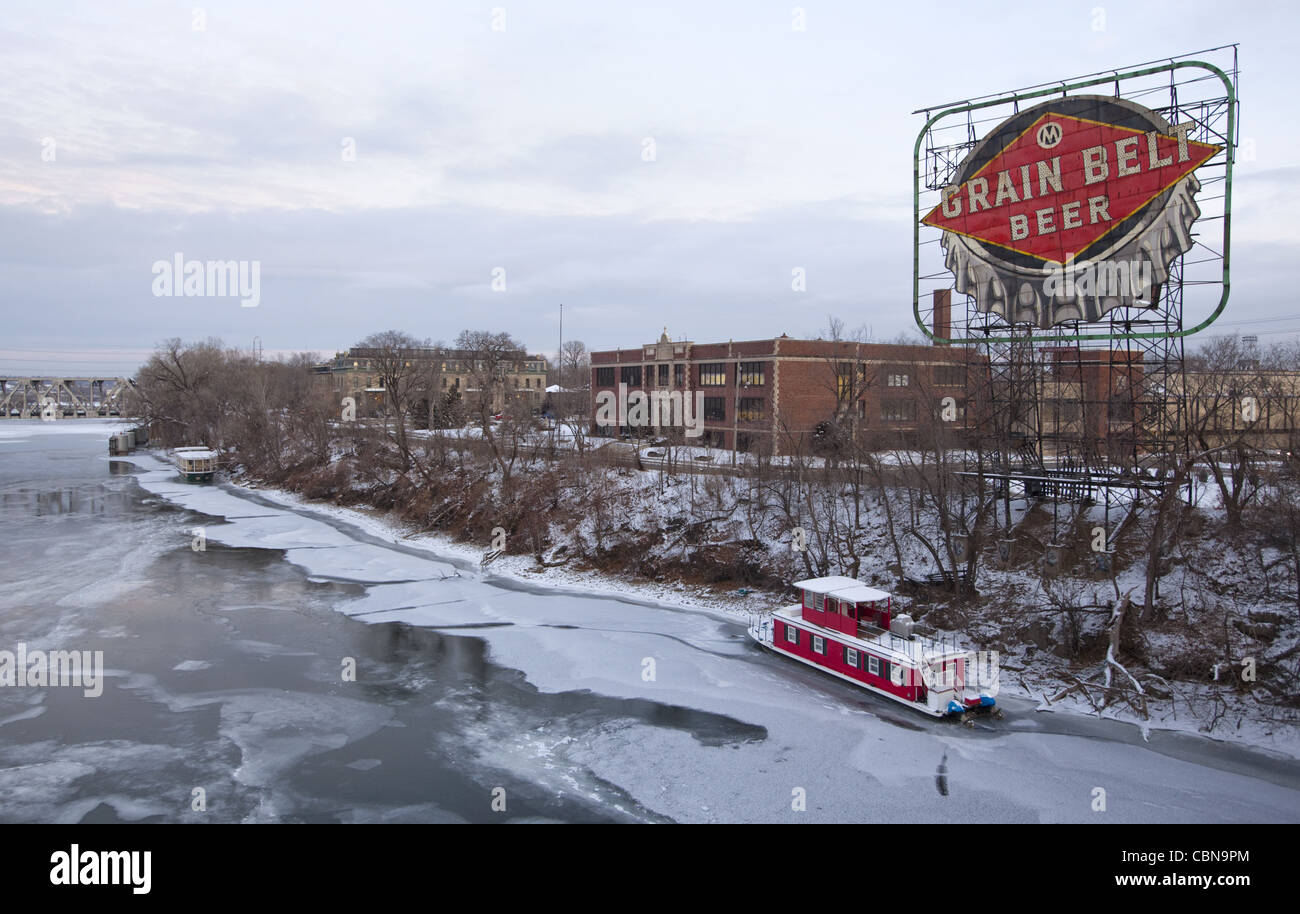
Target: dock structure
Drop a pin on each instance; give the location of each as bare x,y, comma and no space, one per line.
62,397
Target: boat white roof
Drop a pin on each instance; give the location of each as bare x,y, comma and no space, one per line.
196,452
842,588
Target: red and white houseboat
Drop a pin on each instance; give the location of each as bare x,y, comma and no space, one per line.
847,629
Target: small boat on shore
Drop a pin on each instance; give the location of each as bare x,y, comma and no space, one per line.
847,629
196,464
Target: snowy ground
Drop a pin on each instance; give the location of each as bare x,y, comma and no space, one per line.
854,757
1032,680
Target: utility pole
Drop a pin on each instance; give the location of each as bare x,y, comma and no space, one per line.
559,382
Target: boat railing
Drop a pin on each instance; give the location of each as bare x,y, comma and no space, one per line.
885,638
918,648
760,625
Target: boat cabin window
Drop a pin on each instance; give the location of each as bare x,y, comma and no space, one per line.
819,644
792,634
873,665
851,657
809,600
869,613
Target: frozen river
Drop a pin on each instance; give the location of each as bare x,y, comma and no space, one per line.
225,681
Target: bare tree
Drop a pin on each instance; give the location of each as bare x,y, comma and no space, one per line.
401,364
1227,401
575,366
488,355
180,391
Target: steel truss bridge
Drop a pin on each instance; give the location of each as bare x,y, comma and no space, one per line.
63,397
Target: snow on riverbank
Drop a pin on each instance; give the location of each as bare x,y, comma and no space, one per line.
852,756
400,600
1029,679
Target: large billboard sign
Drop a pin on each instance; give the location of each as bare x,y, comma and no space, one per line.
1071,207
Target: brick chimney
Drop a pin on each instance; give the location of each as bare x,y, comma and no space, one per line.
942,318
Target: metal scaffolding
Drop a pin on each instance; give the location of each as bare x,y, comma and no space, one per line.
1084,414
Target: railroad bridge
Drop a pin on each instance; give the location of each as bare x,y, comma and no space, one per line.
62,397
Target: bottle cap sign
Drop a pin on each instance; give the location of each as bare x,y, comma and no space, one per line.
1070,209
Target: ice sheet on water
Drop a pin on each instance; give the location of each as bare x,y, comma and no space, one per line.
324,552
840,746
38,792
429,603
16,430
276,730
273,731
41,781
189,666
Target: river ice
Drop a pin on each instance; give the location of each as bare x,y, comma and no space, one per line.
850,756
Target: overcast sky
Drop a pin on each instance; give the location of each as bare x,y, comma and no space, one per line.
128,134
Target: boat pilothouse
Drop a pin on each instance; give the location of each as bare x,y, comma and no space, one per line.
850,630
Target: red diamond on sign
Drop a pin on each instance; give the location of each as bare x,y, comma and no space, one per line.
1065,182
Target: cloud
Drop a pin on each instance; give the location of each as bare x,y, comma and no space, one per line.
775,149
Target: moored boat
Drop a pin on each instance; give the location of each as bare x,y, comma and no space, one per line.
196,464
847,629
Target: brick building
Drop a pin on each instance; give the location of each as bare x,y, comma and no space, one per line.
777,395
517,375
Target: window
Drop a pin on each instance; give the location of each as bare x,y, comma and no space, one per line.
715,409
751,373
819,644
851,657
950,376
808,600
898,380
792,634
679,375
663,375
873,665
751,409
630,375
898,410
604,377
844,381
713,374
